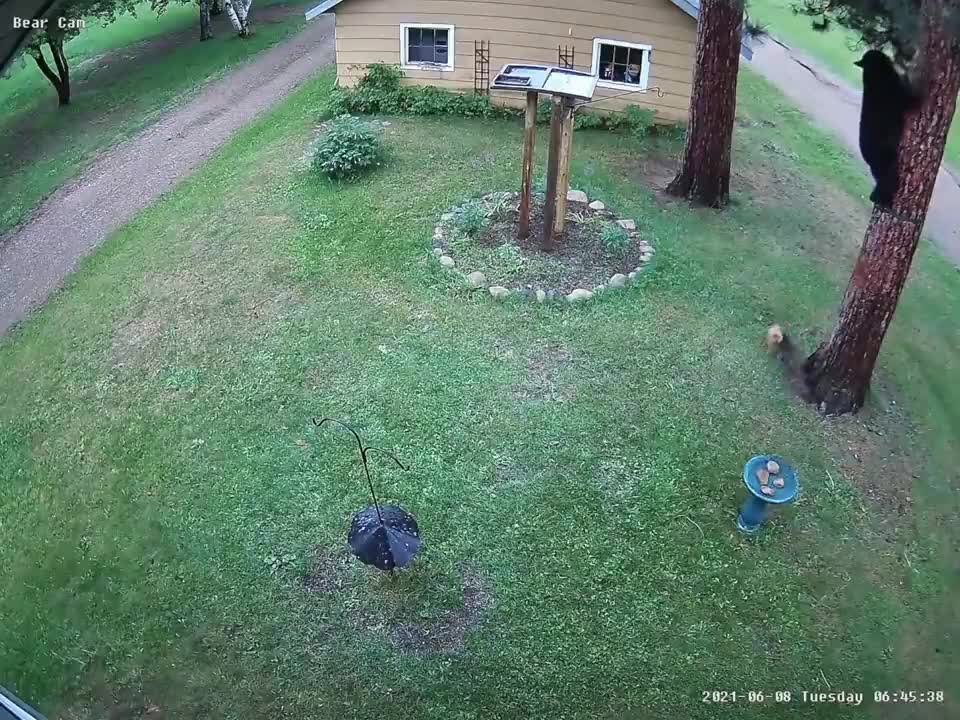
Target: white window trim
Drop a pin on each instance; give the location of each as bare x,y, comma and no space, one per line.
644,66
404,49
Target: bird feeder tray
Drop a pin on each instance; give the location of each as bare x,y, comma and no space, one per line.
756,508
547,80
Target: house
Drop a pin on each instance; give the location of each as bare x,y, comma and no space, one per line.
633,46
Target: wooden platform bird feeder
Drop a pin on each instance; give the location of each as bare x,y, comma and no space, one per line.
565,87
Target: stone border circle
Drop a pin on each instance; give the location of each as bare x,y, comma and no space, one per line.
477,280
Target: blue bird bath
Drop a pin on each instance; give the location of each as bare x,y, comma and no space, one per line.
756,508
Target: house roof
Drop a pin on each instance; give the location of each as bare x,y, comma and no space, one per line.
690,7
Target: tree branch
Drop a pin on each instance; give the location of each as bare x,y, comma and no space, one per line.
45,68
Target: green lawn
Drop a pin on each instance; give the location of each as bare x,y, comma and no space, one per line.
836,48
165,493
124,75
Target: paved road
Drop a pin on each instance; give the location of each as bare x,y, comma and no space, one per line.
36,257
836,107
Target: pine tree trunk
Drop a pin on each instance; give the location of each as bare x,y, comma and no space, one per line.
704,176
205,32
839,372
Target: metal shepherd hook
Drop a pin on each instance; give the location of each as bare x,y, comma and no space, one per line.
363,458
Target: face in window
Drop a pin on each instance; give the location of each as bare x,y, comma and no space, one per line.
621,64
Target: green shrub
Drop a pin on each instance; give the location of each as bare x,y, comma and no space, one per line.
544,112
472,219
639,120
381,76
510,258
380,92
347,148
615,237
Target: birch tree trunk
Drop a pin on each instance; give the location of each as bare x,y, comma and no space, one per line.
704,176
839,372
237,11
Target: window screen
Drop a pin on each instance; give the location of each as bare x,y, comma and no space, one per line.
621,64
428,45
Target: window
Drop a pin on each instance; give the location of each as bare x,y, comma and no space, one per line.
621,65
427,47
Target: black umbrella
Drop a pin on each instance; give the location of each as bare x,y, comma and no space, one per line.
385,537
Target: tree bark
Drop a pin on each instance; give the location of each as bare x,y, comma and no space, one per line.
216,7
237,11
704,176
205,32
60,79
839,372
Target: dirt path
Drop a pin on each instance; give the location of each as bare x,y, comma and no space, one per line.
836,107
36,257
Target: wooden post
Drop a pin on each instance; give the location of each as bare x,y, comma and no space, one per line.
529,143
563,163
553,176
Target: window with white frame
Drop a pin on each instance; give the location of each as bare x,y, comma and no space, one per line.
427,47
621,65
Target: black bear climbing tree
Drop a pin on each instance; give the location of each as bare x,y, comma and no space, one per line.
839,372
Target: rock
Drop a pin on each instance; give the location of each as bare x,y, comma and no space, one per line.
446,217
627,224
447,261
597,205
498,292
773,467
645,258
632,276
551,295
767,490
387,123
438,251
618,281
779,482
578,295
599,289
577,196
477,279
541,296
763,476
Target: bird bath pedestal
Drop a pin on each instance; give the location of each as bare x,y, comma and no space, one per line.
757,507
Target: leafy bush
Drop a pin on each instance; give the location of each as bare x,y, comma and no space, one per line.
615,237
472,219
639,120
512,259
380,92
347,148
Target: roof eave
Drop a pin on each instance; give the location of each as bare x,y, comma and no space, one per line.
321,8
690,7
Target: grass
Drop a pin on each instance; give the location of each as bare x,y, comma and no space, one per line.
837,49
581,465
116,93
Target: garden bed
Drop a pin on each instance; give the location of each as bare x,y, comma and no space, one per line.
598,251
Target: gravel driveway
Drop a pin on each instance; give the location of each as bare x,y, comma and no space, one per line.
36,257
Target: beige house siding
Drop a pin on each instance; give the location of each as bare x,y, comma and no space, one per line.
368,31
